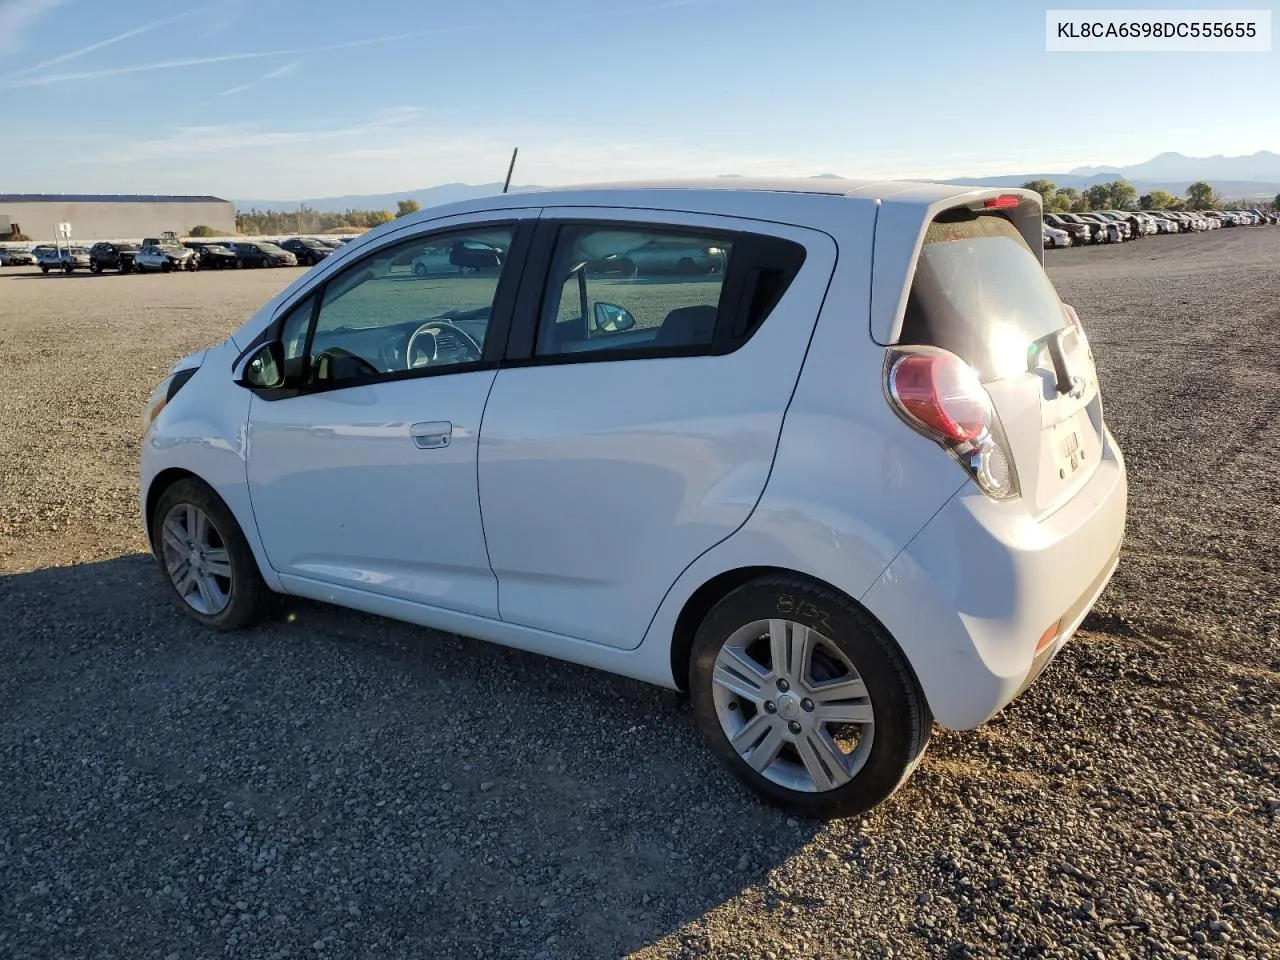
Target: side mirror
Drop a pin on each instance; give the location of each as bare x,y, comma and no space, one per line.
611,318
265,369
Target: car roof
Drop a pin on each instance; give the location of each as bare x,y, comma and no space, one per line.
713,194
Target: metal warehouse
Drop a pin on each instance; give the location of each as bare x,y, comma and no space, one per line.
111,216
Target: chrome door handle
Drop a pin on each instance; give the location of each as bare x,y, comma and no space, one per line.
431,433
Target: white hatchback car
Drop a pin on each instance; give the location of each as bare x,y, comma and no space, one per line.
834,502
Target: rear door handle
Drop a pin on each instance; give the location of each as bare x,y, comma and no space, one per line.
431,433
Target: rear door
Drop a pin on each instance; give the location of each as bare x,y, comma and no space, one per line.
981,293
634,423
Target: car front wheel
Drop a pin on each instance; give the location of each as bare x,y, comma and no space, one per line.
210,568
806,698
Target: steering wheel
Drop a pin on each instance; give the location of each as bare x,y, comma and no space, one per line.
448,338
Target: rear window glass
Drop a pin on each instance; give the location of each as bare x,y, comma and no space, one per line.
981,293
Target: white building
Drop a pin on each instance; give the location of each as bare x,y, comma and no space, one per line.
114,216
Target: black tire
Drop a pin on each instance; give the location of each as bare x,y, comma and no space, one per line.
166,266
95,267
903,722
44,269
686,267
249,597
126,267
628,268
239,264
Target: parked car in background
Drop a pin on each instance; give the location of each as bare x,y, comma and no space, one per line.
309,252
262,253
74,258
1081,233
940,516
1053,237
212,256
463,256
165,257
1114,232
1180,223
108,255
662,257
1097,232
48,257
16,256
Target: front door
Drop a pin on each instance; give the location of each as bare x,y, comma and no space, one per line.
367,477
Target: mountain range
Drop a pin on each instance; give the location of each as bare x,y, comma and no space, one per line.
1255,176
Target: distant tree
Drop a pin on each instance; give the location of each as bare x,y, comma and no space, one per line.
307,220
1046,189
1123,195
1098,196
406,207
1202,196
1157,200
1065,200
203,230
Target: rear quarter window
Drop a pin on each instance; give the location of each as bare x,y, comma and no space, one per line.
981,293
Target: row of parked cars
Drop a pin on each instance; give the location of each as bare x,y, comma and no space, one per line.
167,253
1117,226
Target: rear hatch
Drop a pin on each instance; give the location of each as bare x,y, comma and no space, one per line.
980,293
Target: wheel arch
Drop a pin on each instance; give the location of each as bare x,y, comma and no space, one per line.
706,596
161,482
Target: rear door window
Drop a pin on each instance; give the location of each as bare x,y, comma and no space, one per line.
633,288
981,293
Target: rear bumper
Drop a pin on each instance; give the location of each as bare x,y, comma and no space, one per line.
972,594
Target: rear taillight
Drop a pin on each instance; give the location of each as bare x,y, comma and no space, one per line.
941,397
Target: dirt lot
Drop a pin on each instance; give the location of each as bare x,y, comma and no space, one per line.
335,785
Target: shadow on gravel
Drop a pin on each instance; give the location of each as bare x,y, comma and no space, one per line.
336,779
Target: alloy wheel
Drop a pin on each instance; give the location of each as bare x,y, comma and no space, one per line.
792,705
196,559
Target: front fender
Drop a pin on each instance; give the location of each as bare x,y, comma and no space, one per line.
203,431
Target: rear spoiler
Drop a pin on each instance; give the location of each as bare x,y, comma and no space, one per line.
899,235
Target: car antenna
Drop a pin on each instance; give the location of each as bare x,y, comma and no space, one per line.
511,166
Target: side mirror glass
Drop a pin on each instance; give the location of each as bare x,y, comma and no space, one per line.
611,318
265,369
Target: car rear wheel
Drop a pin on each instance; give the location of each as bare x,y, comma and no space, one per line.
806,698
166,266
95,267
686,267
203,553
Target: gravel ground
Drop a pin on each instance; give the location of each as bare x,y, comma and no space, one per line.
334,785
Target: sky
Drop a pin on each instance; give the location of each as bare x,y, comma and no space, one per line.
292,99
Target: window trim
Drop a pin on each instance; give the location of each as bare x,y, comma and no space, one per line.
500,319
730,334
